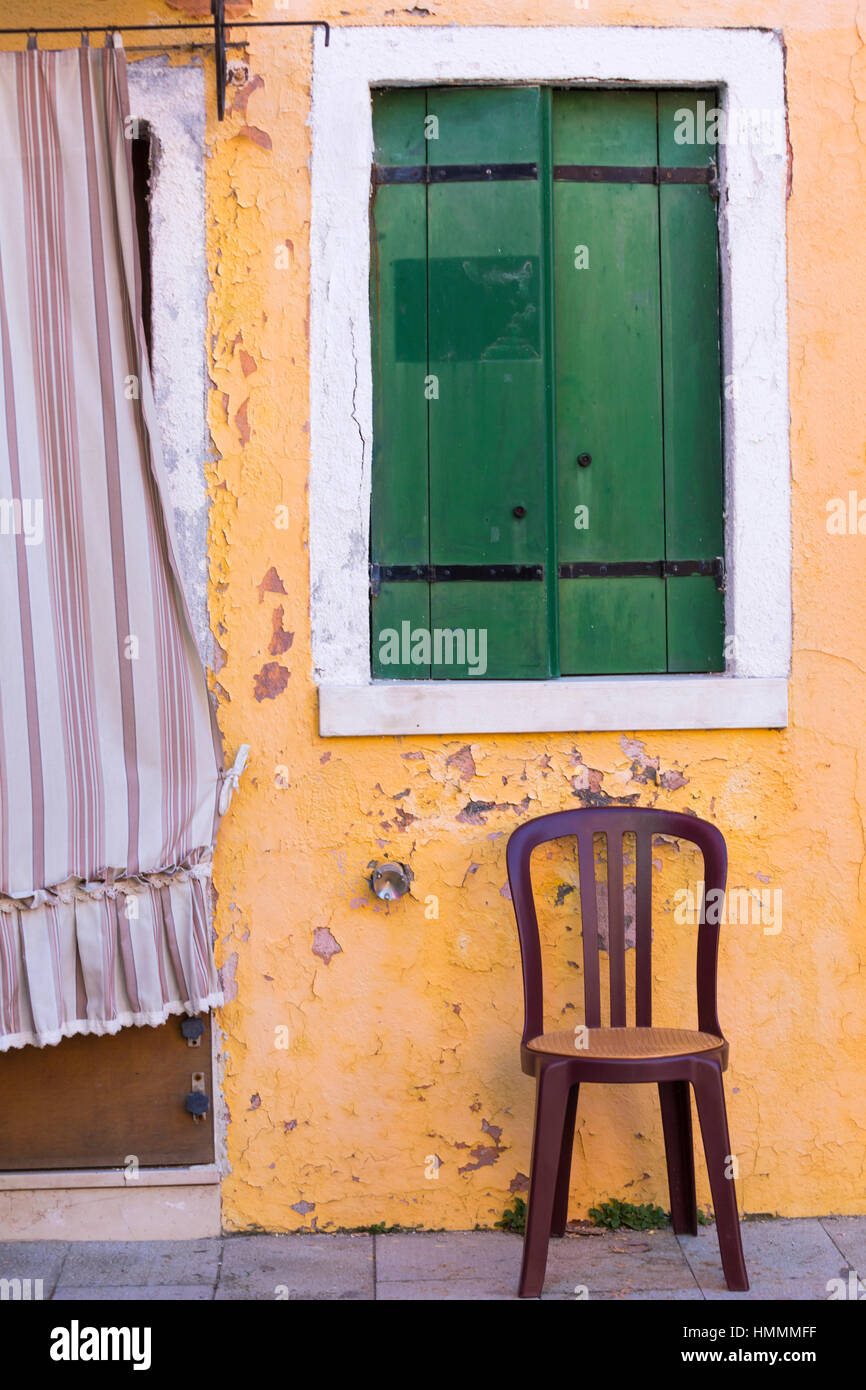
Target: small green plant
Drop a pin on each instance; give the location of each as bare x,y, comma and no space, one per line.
514,1218
614,1214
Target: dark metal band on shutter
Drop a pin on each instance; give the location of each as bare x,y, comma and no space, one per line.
631,173
451,574
646,569
452,173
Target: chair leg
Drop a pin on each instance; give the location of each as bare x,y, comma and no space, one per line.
551,1102
710,1096
563,1176
676,1107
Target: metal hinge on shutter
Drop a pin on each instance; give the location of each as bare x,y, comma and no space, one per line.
452,173
450,574
645,173
650,569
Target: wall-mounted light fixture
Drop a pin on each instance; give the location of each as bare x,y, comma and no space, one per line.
390,880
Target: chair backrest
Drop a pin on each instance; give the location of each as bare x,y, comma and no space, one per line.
614,822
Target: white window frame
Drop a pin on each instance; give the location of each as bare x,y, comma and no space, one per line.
748,67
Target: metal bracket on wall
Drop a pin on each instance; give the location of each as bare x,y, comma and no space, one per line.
220,24
220,42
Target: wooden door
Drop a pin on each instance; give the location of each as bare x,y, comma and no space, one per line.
104,1102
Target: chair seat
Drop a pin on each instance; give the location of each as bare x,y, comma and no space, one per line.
626,1042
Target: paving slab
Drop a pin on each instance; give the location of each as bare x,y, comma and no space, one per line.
487,1259
132,1293
296,1267
787,1260
118,1264
442,1290
792,1259
621,1262
33,1260
768,1291
848,1234
693,1294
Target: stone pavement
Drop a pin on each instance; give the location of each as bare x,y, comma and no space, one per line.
787,1259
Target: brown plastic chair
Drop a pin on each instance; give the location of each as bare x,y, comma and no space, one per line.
672,1058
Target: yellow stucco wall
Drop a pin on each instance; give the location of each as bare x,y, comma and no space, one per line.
402,1027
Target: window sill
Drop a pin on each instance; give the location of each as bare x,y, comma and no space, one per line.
571,704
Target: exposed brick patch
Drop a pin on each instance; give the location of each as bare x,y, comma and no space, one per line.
325,945
280,639
271,681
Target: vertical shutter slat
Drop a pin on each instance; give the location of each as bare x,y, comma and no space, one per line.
608,383
692,381
398,305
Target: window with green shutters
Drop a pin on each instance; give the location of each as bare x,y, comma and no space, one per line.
547,489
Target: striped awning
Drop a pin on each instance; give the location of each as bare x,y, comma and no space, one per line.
110,761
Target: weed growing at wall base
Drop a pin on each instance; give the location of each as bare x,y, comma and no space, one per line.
643,1217
514,1218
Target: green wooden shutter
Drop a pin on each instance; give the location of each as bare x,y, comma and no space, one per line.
498,205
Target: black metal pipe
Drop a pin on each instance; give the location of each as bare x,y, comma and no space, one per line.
141,28
218,25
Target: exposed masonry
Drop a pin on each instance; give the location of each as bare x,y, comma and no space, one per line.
748,67
172,102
